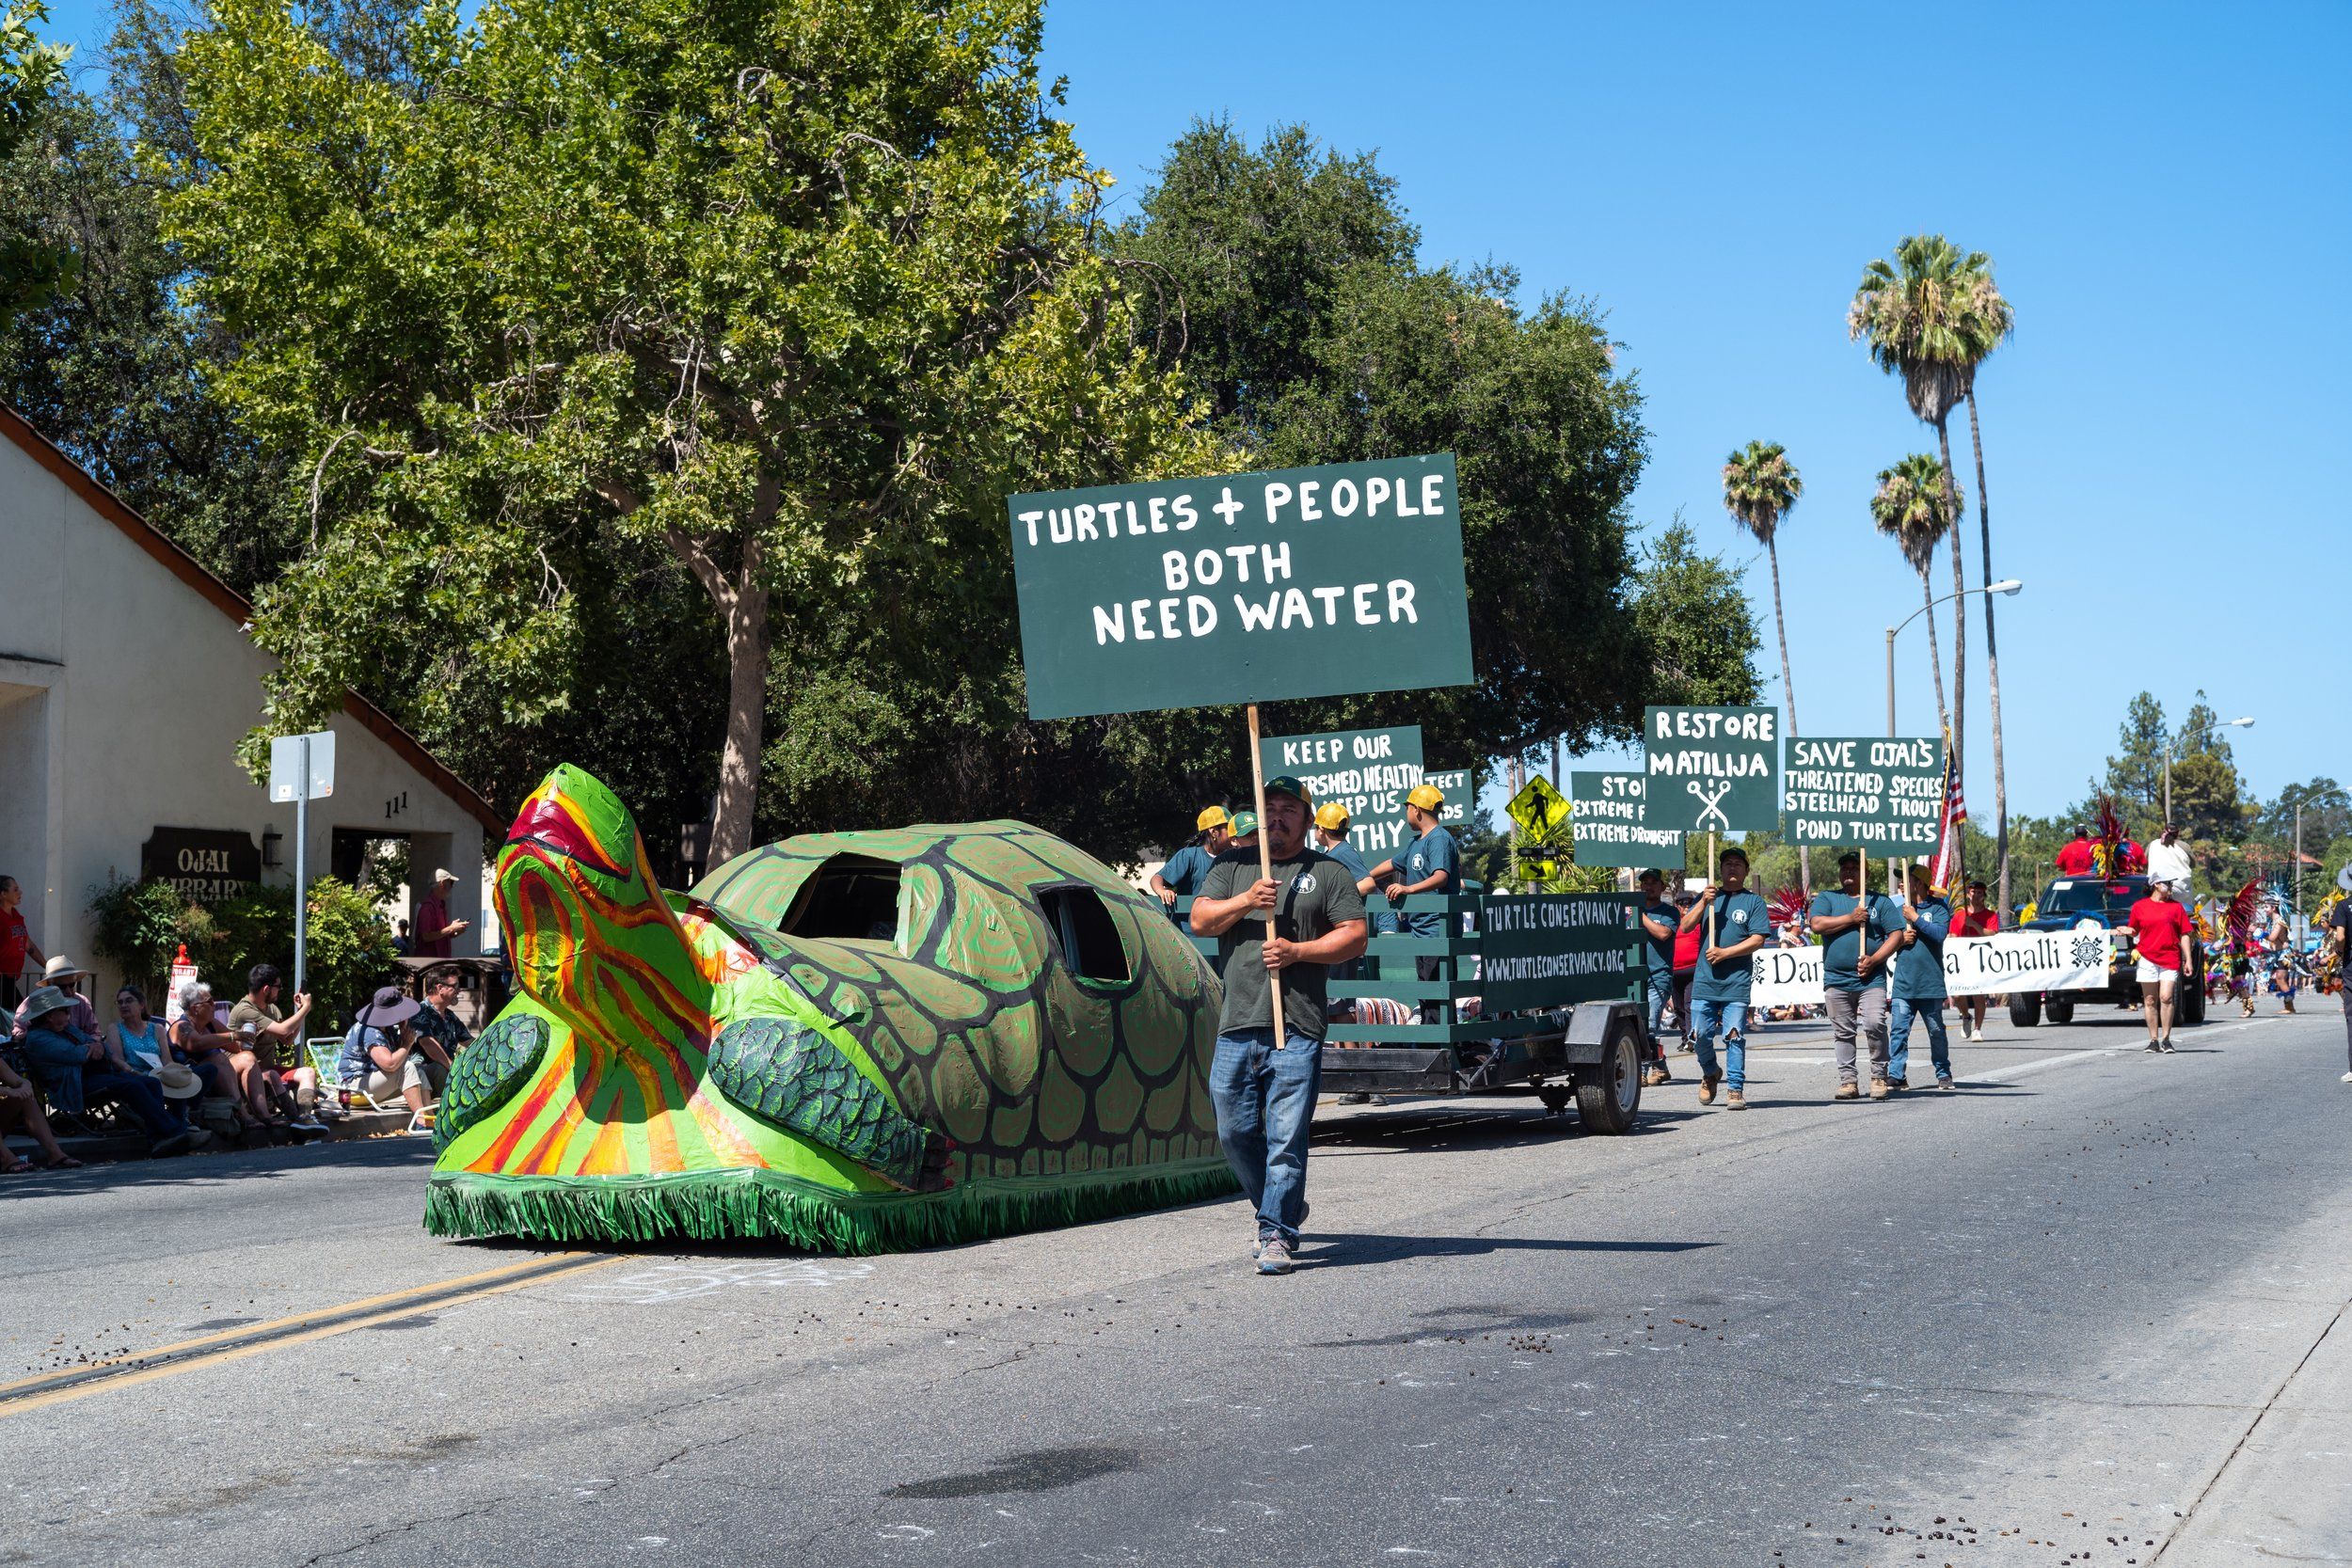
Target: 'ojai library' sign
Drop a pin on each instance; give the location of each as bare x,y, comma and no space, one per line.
207,864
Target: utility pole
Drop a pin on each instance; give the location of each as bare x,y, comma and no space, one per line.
2297,924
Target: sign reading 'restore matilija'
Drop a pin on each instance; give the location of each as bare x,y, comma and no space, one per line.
1242,588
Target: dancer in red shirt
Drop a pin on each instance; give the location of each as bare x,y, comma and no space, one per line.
1977,919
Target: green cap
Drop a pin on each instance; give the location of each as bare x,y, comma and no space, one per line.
1282,783
1244,823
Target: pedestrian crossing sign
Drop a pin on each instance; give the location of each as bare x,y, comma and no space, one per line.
1540,810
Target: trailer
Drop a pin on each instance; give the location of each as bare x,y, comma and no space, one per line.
1539,993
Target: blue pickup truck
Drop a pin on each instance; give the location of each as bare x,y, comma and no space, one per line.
2071,902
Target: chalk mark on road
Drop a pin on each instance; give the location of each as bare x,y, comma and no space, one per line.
668,1282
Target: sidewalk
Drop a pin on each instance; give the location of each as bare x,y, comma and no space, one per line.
104,1148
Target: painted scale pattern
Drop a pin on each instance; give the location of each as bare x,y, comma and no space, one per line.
794,1077
972,1016
489,1072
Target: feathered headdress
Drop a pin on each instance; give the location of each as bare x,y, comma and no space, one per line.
2238,919
1786,905
2111,837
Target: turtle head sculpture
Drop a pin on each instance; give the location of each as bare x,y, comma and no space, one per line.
850,1042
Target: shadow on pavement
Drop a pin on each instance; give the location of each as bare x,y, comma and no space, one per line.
201,1169
1349,1249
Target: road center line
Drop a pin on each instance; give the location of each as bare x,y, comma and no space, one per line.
48,1389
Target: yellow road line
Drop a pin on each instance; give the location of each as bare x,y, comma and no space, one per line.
58,1388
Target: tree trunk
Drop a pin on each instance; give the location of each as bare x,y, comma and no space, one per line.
1788,692
1991,662
1960,613
748,645
1935,656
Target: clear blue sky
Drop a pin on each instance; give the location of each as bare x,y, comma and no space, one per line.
2162,187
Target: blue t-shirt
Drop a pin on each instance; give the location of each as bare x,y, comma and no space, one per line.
1187,869
1431,853
1738,916
354,1063
1660,951
1841,956
1920,968
1382,920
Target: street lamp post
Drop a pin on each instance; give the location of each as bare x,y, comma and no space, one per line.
2007,586
2171,748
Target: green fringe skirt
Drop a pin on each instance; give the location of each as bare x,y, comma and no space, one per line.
740,1204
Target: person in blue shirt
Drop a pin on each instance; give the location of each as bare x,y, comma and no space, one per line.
1331,829
1431,864
1854,965
1659,921
1919,992
1737,924
1188,867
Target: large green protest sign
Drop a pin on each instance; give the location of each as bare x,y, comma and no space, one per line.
1553,949
1611,827
1242,588
1368,772
1883,797
1455,785
1712,769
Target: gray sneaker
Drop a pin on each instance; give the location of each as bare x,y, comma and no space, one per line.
1274,1256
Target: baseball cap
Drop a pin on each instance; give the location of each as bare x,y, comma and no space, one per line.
1283,784
1331,817
1213,818
1244,823
1427,797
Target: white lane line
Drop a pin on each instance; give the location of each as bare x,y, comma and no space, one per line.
2045,1064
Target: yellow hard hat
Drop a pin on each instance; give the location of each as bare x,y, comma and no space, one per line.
1213,818
1427,797
1331,817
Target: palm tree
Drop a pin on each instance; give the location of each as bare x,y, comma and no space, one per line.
1989,323
1912,507
1918,315
1761,486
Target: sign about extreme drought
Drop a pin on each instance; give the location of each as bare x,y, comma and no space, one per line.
1242,588
1712,769
1612,828
1883,797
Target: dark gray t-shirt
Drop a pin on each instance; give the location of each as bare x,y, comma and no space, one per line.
1317,895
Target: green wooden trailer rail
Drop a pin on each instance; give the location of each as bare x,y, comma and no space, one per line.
1559,983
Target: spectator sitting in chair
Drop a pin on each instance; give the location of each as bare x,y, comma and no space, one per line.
61,973
21,1103
384,1054
76,1070
270,1034
202,1038
437,1018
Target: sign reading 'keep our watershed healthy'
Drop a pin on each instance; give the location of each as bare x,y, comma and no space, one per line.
1610,827
1367,771
1712,769
1242,588
1883,797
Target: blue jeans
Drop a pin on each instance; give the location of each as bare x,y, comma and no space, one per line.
1660,989
1264,1100
1931,1017
1729,1020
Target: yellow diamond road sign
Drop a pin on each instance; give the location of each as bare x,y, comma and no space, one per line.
1540,810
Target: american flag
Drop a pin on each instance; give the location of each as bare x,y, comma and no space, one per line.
1945,869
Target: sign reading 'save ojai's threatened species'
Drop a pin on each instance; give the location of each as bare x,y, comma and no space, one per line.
1242,588
1712,769
1368,772
1612,828
1881,796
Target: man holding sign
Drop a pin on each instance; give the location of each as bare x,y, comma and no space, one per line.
1263,1084
1738,925
1861,933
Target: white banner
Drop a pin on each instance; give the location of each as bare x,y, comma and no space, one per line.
1973,966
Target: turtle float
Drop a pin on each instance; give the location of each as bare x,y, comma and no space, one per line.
849,1041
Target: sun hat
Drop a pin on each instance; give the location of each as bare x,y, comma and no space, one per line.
44,1001
1284,784
1428,796
1213,818
178,1081
1331,817
388,1007
61,968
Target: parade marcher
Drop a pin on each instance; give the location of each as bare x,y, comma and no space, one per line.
1264,1087
2160,929
1860,934
1331,824
1918,989
2340,935
2284,976
1720,989
1688,942
1432,864
1661,924
1977,919
2080,857
2168,861
1188,867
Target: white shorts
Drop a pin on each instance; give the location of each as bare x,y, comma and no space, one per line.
2154,973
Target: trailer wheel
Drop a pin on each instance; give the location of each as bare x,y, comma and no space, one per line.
2024,1009
2061,1012
1609,1097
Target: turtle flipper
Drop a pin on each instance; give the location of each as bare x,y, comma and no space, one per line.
487,1073
789,1074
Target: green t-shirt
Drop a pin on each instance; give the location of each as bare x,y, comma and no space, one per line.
264,1049
1841,955
1738,916
1316,894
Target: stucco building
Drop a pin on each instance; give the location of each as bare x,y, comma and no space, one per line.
127,680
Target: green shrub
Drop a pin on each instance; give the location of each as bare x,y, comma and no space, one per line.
350,947
140,928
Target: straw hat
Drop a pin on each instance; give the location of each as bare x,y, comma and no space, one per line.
60,968
178,1081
